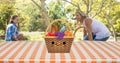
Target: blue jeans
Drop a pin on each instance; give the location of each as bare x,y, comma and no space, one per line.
93,36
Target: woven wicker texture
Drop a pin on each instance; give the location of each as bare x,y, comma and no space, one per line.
55,45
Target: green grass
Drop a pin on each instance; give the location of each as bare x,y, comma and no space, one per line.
1,40
33,36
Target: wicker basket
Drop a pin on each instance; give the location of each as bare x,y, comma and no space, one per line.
55,45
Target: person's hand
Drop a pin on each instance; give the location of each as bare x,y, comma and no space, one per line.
20,37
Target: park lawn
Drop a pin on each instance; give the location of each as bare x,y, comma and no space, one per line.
1,40
33,35
39,36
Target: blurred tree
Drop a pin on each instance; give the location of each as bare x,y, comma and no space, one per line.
36,18
6,10
56,10
45,17
111,15
94,8
22,8
30,16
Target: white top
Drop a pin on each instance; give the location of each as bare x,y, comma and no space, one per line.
99,29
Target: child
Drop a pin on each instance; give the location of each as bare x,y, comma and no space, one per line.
93,29
12,30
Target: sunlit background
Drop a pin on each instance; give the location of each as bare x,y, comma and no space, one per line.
33,23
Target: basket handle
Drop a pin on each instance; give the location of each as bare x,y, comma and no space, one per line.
56,21
77,29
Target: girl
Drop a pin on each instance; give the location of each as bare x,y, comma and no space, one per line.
12,30
93,29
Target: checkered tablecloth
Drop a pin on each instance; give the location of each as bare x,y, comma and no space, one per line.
81,52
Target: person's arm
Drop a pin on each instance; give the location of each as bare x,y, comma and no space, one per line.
89,29
12,32
20,37
14,38
85,33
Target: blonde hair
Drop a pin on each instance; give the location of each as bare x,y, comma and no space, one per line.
81,14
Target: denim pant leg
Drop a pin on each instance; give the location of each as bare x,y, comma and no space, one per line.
86,37
104,39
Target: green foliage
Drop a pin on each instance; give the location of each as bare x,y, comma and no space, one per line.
55,10
6,10
100,9
112,13
30,15
117,26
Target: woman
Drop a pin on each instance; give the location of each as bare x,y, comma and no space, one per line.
93,29
12,30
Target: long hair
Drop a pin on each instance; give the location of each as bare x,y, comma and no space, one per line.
81,14
12,18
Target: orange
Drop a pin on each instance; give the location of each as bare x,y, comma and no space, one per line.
68,33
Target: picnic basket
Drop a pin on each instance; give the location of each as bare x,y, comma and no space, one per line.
77,29
55,45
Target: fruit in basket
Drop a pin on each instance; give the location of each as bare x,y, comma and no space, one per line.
54,28
63,29
68,33
60,35
50,34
